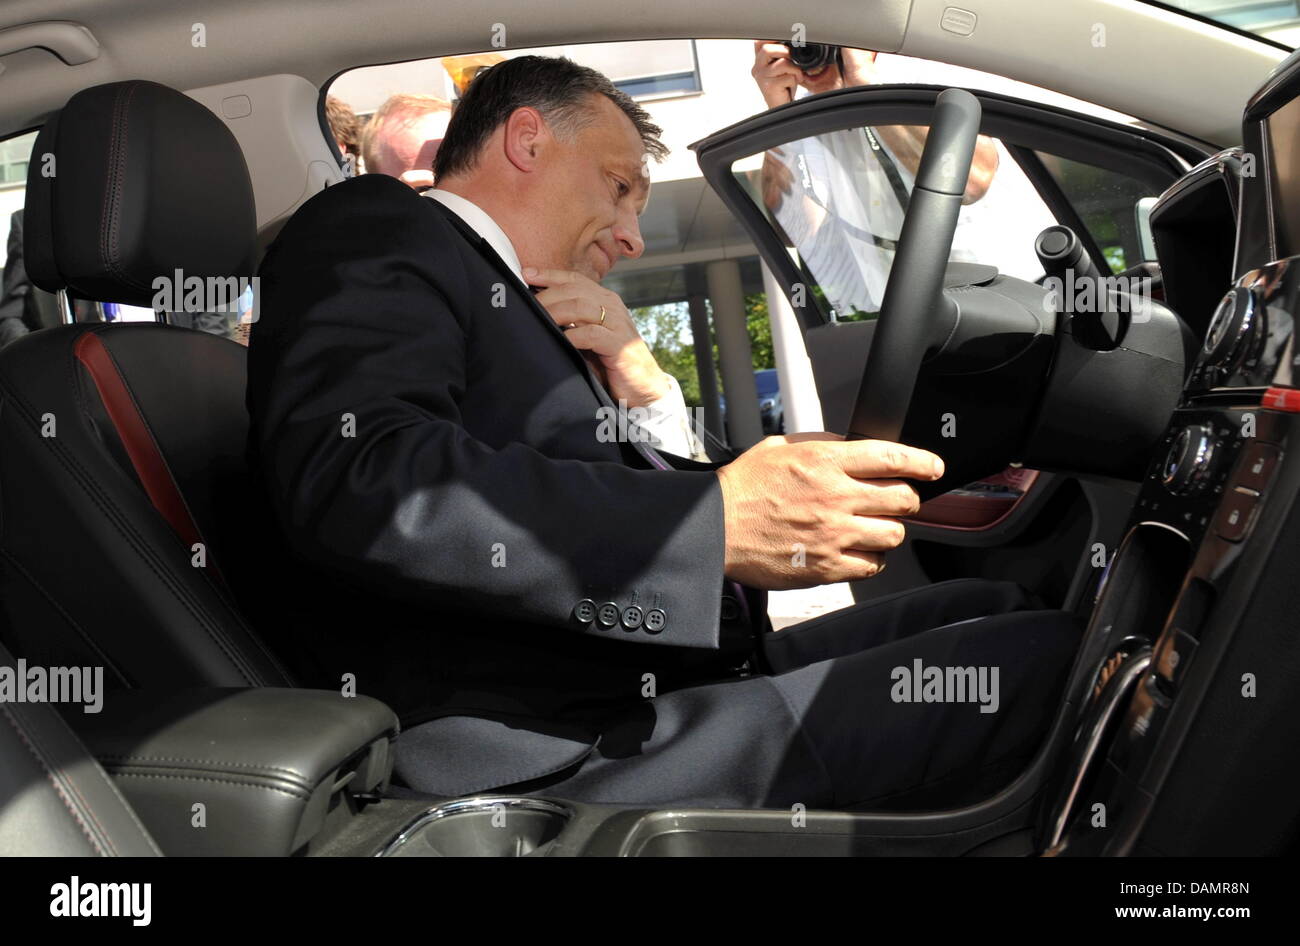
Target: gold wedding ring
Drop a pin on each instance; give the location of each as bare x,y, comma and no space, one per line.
602,315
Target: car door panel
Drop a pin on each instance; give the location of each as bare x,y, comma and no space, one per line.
981,505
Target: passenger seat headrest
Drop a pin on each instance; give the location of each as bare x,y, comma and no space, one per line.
131,181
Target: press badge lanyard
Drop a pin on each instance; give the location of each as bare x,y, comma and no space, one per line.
890,168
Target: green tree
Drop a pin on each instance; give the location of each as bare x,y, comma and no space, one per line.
666,329
759,324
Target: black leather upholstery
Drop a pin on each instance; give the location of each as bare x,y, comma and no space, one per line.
122,451
90,572
144,180
265,763
55,800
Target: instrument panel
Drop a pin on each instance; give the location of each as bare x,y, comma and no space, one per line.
1217,488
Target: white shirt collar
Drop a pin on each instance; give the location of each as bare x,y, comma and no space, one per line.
482,224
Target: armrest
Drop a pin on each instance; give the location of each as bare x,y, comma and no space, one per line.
266,764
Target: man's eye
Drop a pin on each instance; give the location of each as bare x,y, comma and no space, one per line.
623,189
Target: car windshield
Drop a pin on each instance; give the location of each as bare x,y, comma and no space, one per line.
1277,21
766,382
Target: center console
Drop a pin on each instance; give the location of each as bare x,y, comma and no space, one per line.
1206,546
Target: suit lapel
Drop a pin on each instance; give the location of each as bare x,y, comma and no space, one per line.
485,249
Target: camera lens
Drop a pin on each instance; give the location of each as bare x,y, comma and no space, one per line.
811,56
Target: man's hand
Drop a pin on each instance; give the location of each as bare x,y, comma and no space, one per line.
810,509
776,179
622,358
859,67
776,75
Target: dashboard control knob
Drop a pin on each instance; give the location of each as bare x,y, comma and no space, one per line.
1190,460
1235,329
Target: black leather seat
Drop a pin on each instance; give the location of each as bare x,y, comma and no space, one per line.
55,800
131,535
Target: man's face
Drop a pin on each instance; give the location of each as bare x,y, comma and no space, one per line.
822,80
596,188
411,145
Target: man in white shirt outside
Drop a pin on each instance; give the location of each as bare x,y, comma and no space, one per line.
840,197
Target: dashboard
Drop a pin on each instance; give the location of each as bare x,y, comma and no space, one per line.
1194,228
1206,540
1234,221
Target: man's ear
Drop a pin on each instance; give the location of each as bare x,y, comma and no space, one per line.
526,135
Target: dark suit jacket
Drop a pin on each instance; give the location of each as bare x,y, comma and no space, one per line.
429,441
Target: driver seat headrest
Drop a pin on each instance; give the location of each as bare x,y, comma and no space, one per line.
130,181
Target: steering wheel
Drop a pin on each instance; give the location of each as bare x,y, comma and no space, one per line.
915,315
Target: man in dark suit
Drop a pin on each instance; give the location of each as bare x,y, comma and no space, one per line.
554,610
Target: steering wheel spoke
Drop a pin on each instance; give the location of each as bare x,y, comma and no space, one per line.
914,314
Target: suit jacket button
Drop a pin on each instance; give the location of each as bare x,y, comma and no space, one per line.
730,608
632,617
585,610
607,616
655,620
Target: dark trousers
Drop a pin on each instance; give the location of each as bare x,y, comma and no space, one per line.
828,727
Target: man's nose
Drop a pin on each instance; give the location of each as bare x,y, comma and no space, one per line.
627,233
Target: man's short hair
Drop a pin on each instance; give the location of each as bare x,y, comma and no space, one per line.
397,110
344,124
558,88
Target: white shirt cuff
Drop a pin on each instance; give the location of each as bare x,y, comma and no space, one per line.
667,423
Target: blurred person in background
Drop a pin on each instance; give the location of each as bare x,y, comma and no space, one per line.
402,138
346,129
17,317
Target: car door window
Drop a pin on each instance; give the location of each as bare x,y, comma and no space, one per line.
1106,204
838,200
